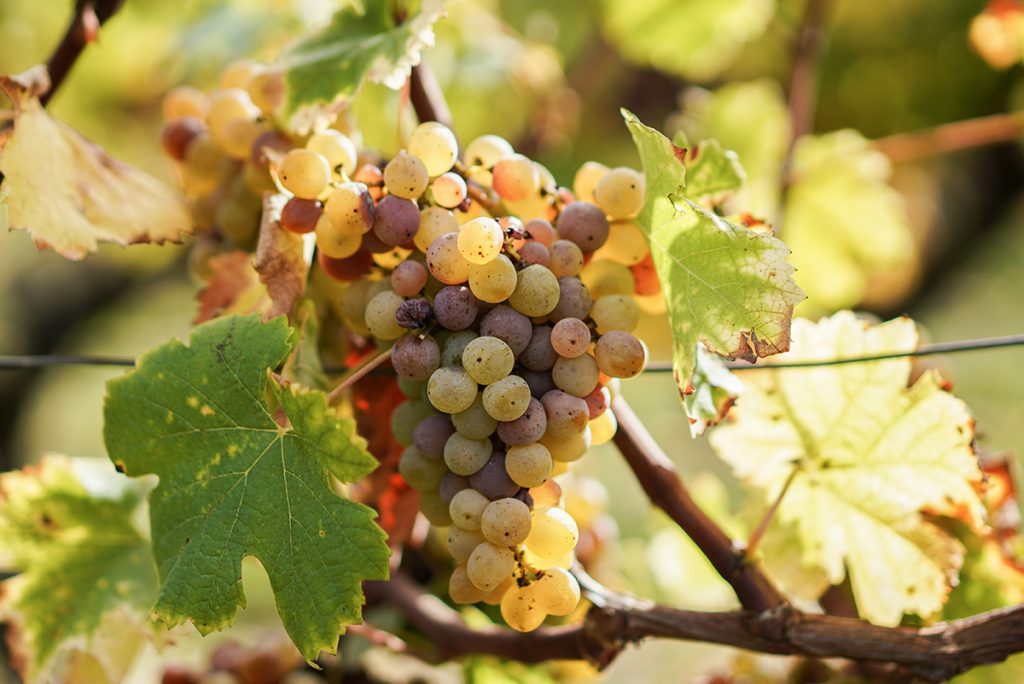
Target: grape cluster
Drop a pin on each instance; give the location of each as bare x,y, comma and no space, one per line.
509,302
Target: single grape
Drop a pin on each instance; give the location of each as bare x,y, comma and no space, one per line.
604,277
620,193
336,148
527,428
566,258
374,245
435,145
615,312
508,398
445,262
455,307
238,73
533,252
269,144
226,106
553,533
587,178
569,449
406,176
480,240
487,359
462,542
267,90
421,473
185,101
574,300
509,325
541,231
301,215
454,346
483,153
539,355
434,222
465,456
177,134
348,269
448,190
505,522
380,315
304,173
566,415
557,591
414,314
204,167
515,178
570,337
599,399
489,565
494,281
406,416
494,596
461,589
434,509
520,610
451,484
414,358
577,376
547,495
536,291
493,480
372,177
408,278
620,354
529,465
430,435
603,428
333,243
451,390
584,224
474,422
466,509
397,220
540,382
626,244
351,208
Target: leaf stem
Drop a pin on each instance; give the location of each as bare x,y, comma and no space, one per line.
766,519
355,374
951,137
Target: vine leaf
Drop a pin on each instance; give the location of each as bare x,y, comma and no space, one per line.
233,287
727,287
712,172
713,390
280,258
236,483
70,194
873,457
362,41
87,582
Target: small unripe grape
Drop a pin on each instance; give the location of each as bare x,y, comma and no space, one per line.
434,509
568,449
474,422
406,176
515,178
336,148
454,346
620,354
434,222
536,292
487,359
577,376
461,590
461,543
421,473
465,456
225,106
304,173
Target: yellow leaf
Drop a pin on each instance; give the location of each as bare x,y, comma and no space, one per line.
70,194
872,457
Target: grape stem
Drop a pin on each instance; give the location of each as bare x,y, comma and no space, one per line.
426,95
85,22
355,374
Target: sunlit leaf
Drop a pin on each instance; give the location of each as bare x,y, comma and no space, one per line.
87,582
70,194
872,457
235,483
280,259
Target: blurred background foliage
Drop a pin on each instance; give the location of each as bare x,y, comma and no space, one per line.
939,238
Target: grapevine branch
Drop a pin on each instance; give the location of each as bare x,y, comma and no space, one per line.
85,22
951,137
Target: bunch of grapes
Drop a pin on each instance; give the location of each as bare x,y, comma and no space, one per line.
510,304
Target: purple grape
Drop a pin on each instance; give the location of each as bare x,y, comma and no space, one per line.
452,484
584,224
397,220
455,307
573,300
527,428
566,415
413,314
540,382
492,480
431,434
508,325
415,359
539,355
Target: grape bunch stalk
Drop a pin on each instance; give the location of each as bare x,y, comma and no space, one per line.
509,304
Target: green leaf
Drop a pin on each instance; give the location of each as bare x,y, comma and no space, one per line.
361,42
712,172
872,456
713,390
235,483
67,526
727,287
696,39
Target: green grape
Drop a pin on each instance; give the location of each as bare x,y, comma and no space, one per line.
494,281
620,193
602,428
520,609
448,190
490,565
553,533
336,148
380,316
474,422
421,473
480,240
204,167
414,389
462,542
541,563
455,346
226,106
483,153
494,596
620,354
604,277
506,399
626,244
434,222
465,456
566,258
304,173
570,337
529,465
351,209
577,376
445,262
466,508
434,509
239,135
352,305
435,145
333,242
451,390
406,417
557,592
487,359
568,449
586,179
406,176
461,590
185,101
615,312
515,178
536,292
505,522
